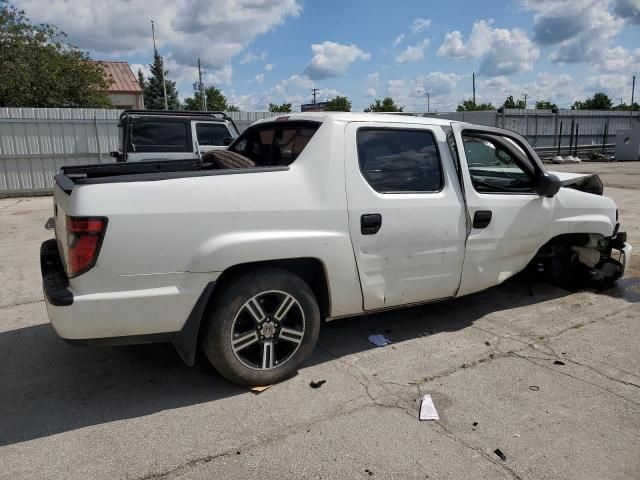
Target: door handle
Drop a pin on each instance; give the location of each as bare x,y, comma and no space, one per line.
482,218
370,223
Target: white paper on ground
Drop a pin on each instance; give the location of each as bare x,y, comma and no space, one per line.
428,409
378,340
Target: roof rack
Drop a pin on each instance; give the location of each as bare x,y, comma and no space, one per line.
180,113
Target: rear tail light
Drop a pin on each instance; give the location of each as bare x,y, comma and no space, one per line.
84,238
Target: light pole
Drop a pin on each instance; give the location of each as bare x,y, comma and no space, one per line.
428,94
155,51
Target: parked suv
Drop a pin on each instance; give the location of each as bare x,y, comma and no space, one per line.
171,135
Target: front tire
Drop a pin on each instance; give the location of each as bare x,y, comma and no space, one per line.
262,326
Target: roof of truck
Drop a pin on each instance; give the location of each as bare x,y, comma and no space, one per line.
360,117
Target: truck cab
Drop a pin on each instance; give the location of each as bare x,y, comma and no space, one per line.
171,135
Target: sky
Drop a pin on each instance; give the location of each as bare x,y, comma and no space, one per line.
263,51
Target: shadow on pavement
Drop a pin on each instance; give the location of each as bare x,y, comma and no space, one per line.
49,387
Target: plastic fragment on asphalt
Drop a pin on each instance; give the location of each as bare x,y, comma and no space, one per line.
558,362
379,340
257,390
428,409
499,453
317,384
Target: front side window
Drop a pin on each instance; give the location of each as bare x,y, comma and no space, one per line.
212,134
396,161
494,167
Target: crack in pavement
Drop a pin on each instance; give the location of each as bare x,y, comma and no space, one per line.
28,302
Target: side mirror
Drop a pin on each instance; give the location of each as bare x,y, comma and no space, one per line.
548,185
227,141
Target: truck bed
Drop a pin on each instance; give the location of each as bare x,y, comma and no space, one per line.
146,171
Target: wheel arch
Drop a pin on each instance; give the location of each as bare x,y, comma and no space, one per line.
311,270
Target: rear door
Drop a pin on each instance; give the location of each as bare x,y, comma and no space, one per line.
509,221
406,217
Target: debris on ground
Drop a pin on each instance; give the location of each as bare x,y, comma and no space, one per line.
317,384
475,424
534,388
487,344
499,453
379,340
428,409
368,472
258,390
558,362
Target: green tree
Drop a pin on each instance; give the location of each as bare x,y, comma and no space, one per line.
545,105
39,68
599,101
216,101
338,104
153,88
141,80
511,103
635,107
386,105
470,106
284,108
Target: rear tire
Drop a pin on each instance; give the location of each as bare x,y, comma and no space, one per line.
224,159
262,326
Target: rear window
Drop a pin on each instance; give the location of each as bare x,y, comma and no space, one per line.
212,133
275,144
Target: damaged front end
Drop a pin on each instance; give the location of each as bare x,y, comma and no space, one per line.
580,260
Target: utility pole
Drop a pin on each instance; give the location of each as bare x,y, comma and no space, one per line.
203,99
474,88
155,50
525,94
314,91
633,90
428,94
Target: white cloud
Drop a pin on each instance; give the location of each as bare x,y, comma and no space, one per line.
332,59
183,27
584,30
269,67
627,9
502,51
371,85
259,78
419,24
146,71
398,40
252,57
412,92
413,53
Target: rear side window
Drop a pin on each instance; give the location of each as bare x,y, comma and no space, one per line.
396,161
156,136
275,144
211,133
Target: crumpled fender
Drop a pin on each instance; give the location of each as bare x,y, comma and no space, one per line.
584,182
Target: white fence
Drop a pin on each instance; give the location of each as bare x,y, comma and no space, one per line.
36,142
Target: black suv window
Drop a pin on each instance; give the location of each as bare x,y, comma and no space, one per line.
395,161
496,166
158,136
275,143
212,133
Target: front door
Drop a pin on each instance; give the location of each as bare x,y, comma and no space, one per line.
406,215
509,221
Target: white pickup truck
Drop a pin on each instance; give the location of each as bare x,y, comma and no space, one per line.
323,216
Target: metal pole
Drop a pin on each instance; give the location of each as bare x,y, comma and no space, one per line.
575,148
95,122
571,137
474,88
200,87
428,102
560,138
155,51
604,137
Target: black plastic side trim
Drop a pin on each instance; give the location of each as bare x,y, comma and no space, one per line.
54,279
186,341
125,340
152,177
64,182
